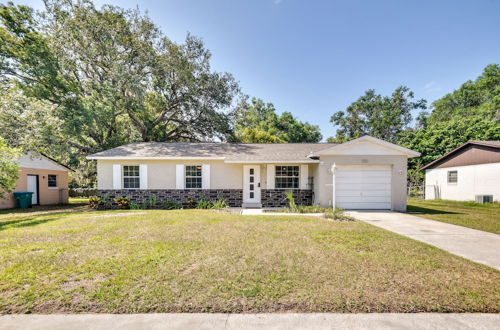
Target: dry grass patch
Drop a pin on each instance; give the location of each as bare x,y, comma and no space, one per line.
203,261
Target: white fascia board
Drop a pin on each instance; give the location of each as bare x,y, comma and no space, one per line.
271,161
410,153
153,158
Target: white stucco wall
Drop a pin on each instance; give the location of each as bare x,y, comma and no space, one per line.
472,180
324,181
161,173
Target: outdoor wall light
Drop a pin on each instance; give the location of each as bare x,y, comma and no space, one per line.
400,172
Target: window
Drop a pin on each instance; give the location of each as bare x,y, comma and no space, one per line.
193,177
52,180
287,177
452,176
131,179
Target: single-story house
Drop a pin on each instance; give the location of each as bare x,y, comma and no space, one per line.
469,172
46,178
365,173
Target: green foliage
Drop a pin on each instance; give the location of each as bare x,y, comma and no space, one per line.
474,98
105,77
220,204
383,117
257,122
94,202
9,170
122,202
305,209
137,206
203,204
171,205
291,200
337,214
472,112
151,202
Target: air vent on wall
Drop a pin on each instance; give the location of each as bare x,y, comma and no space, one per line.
484,199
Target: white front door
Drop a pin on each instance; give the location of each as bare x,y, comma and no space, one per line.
251,184
33,187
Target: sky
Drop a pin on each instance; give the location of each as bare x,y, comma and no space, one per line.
314,58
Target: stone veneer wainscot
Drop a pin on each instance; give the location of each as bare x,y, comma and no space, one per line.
234,197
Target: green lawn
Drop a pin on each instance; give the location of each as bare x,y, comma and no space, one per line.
205,261
468,214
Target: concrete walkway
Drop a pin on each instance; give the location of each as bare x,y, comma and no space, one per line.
249,321
270,212
475,245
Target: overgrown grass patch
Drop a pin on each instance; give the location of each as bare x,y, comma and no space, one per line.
205,261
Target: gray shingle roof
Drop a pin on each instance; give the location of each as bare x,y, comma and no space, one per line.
229,151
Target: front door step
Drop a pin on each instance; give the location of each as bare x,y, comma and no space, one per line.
251,205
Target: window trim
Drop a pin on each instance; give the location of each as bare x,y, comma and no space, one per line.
448,177
128,176
191,176
56,186
287,176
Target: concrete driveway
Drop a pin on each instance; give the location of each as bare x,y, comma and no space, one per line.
475,245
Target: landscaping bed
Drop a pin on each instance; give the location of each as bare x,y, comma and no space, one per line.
203,261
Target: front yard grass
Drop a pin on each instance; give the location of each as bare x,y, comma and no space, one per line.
468,214
207,261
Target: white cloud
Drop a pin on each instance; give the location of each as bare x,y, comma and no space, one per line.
432,87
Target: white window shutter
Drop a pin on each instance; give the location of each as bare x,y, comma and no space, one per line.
270,176
143,175
304,176
205,176
179,176
117,176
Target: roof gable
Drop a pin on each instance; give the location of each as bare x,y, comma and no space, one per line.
470,153
367,145
38,161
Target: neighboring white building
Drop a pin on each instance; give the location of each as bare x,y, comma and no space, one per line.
470,172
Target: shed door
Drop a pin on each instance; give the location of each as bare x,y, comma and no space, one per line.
33,187
363,187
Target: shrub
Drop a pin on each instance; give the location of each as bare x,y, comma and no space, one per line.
171,205
94,202
291,200
337,214
122,202
203,204
191,203
220,203
151,202
135,206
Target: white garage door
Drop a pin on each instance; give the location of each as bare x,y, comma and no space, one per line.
360,187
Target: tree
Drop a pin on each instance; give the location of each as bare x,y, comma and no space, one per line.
380,116
258,122
112,76
9,170
94,79
474,98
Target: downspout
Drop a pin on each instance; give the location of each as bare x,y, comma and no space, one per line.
333,169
